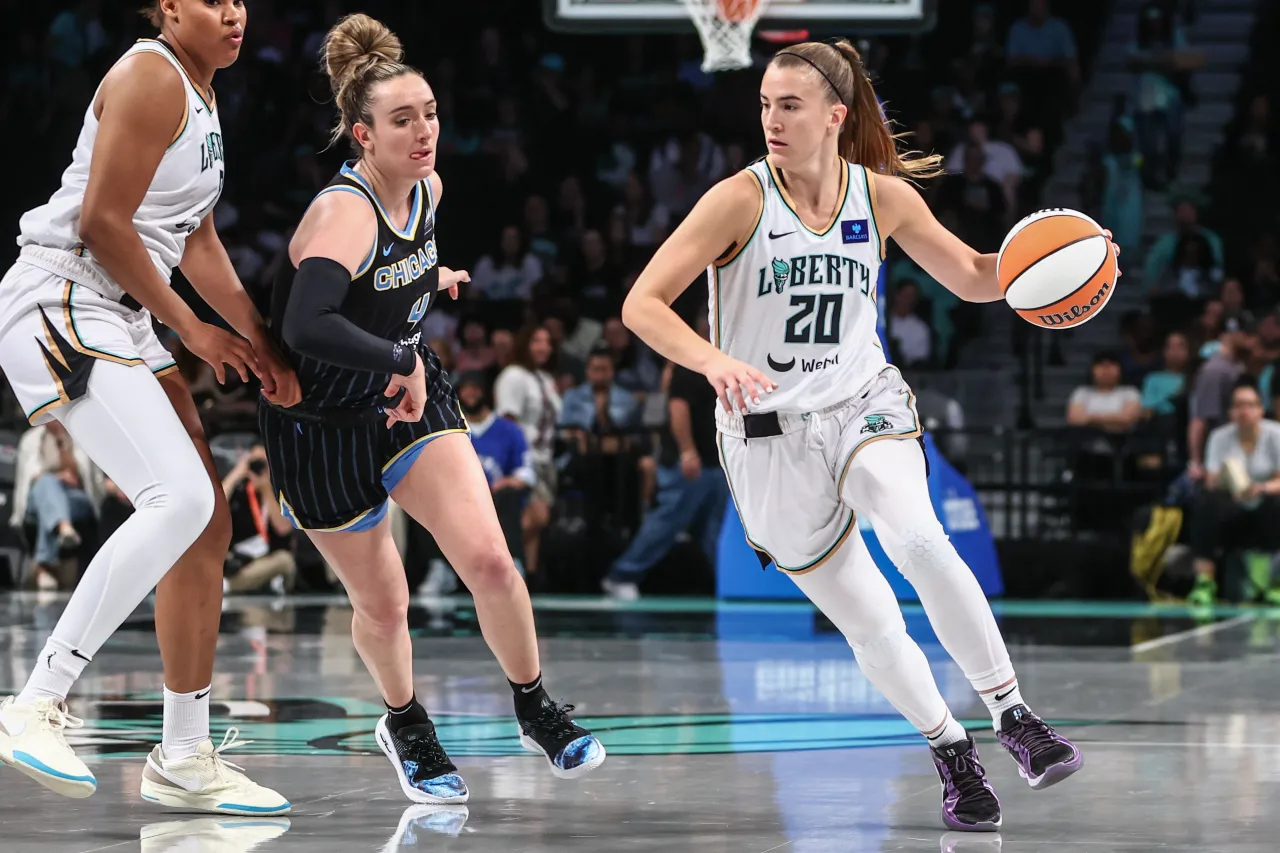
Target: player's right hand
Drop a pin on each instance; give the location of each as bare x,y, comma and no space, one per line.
729,377
415,396
217,347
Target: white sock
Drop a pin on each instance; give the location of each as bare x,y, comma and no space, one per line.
999,701
186,722
57,668
946,734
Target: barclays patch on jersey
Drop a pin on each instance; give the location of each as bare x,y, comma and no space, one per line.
854,231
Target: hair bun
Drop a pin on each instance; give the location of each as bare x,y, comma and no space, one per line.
356,44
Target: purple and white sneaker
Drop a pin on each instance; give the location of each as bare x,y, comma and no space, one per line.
1044,757
969,802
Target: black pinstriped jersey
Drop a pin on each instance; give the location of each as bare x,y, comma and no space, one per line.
390,294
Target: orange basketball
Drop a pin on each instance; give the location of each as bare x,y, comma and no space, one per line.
1057,269
737,11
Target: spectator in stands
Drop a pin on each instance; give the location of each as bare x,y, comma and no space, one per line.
973,204
1239,506
599,413
597,280
692,490
76,35
1104,403
1157,56
508,273
1000,160
503,344
1264,272
1232,297
1209,404
1139,353
1122,204
504,454
1163,256
537,225
647,221
683,168
633,362
1162,388
56,487
1256,144
910,338
1028,140
986,54
475,352
1041,50
526,393
261,555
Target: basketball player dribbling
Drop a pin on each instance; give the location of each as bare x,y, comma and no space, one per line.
77,344
379,419
827,428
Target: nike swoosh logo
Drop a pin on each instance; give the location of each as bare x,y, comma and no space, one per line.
934,737
204,694
199,110
76,654
386,250
781,367
773,236
1001,698
191,785
533,688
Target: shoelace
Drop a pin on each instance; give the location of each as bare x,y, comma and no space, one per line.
554,721
230,740
427,751
59,718
1034,734
966,775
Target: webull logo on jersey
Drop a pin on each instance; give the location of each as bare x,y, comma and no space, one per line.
816,271
406,270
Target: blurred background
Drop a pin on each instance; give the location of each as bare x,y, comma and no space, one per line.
1131,457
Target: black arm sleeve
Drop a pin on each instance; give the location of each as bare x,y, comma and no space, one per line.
314,326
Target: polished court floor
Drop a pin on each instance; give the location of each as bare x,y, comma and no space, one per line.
730,727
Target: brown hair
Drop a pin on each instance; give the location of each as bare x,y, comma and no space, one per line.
358,53
865,136
152,13
520,350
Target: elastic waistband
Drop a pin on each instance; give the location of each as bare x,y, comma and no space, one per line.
767,424
338,416
78,267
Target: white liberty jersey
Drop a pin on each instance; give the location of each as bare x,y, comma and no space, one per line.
185,188
798,304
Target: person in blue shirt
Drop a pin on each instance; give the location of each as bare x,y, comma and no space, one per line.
599,412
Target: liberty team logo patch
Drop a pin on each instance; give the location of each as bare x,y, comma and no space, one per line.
875,424
854,231
781,275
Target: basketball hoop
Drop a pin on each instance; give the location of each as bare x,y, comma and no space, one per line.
725,29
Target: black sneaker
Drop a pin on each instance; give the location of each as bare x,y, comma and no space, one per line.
571,749
425,772
1044,757
969,802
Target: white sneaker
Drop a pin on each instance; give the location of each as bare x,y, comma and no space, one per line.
32,742
620,590
211,835
440,579
207,783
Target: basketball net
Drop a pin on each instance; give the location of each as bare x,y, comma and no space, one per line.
725,29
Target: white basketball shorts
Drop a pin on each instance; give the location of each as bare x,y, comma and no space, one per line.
52,332
788,483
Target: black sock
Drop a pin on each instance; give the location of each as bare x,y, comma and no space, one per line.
528,696
411,714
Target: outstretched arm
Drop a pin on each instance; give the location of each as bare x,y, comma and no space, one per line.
904,216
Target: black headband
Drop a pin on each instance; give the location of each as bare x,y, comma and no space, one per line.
833,86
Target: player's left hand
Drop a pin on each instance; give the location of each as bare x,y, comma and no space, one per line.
279,382
449,280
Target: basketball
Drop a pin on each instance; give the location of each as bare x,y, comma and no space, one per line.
1057,268
737,11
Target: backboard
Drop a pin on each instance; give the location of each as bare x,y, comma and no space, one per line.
836,16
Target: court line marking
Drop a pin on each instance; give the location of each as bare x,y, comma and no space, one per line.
1190,633
1180,744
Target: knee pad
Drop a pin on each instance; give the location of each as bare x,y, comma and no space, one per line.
883,651
924,547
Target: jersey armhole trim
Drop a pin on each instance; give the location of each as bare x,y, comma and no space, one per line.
186,120
721,263
373,250
874,204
